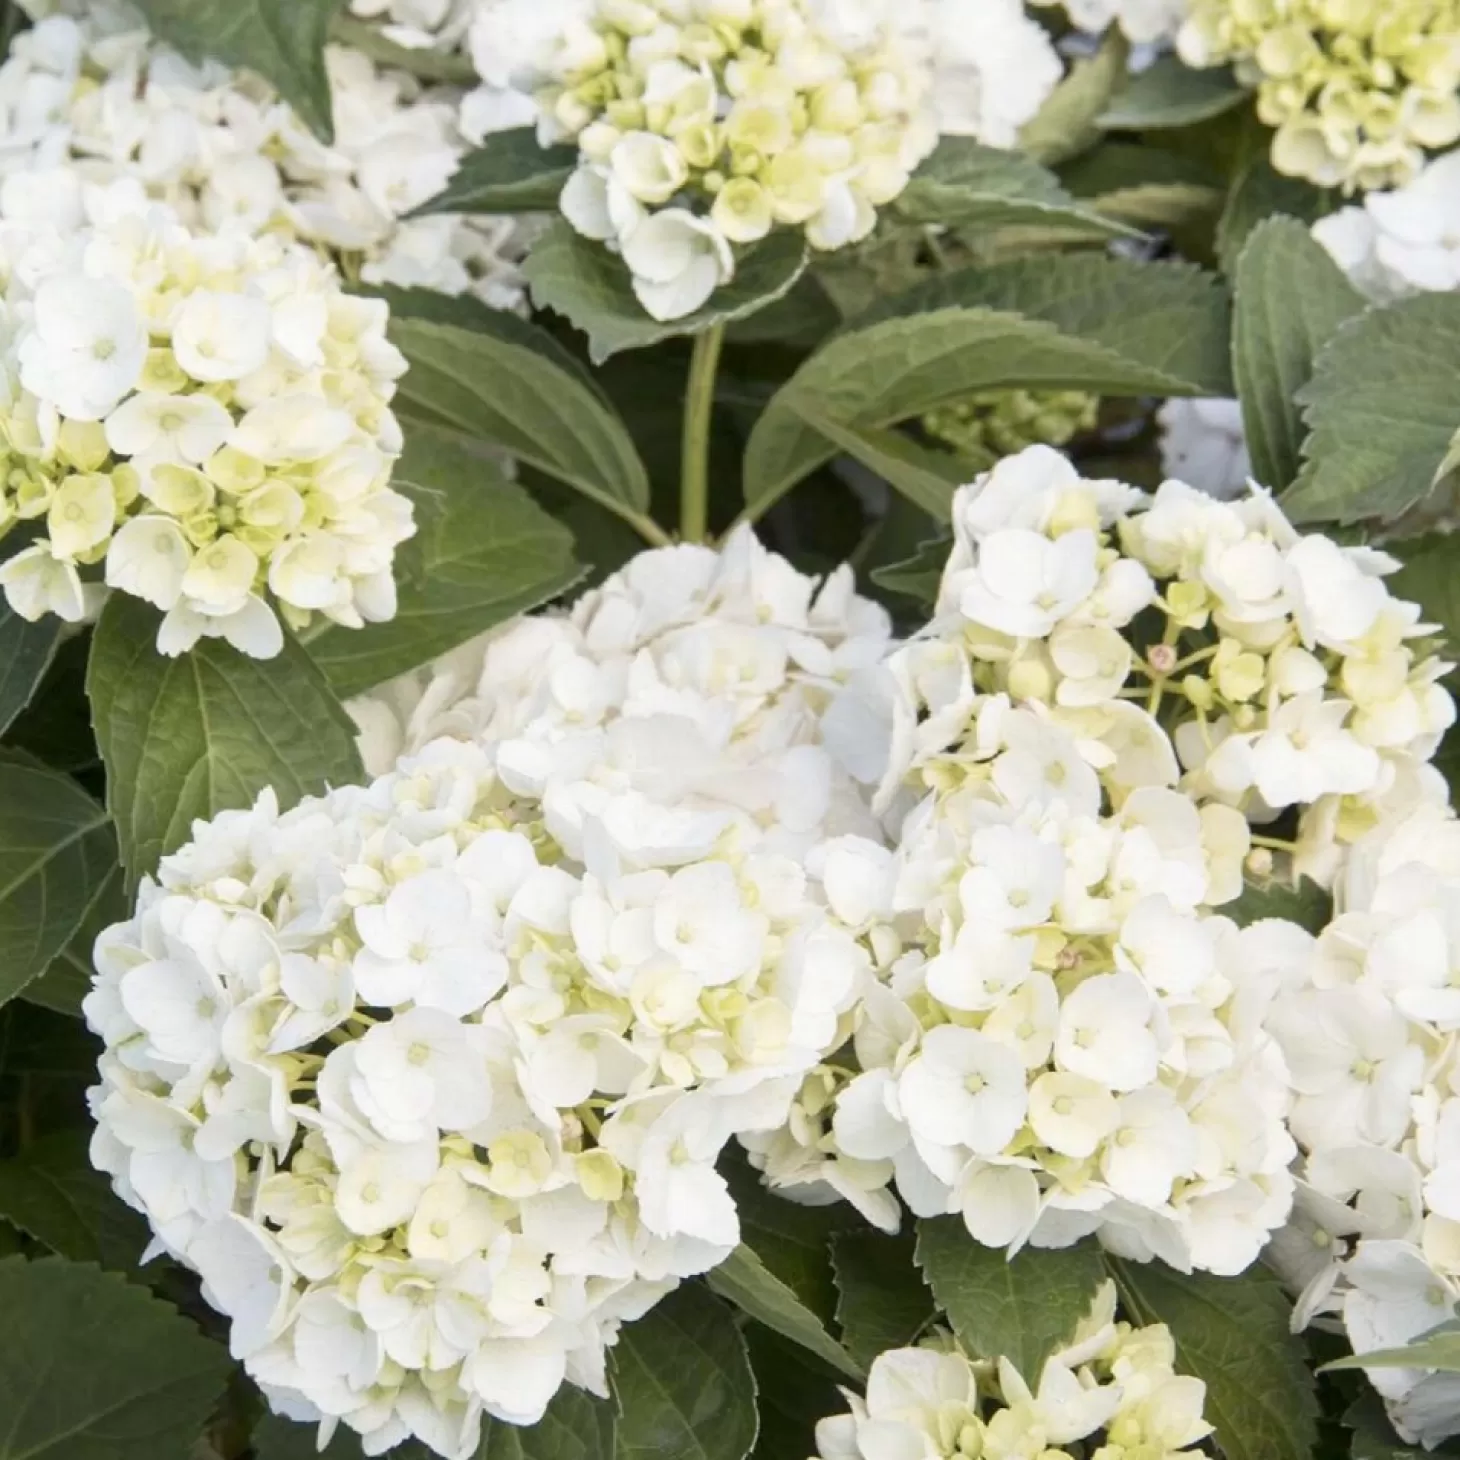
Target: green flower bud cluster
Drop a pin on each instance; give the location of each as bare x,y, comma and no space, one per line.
1357,90
1001,422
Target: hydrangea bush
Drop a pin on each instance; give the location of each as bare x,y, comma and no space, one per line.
726,729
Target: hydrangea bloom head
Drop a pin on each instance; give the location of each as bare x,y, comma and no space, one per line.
428,1078
202,419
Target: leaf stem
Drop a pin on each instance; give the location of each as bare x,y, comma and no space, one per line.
699,400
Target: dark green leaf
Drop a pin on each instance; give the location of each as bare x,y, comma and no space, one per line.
277,1438
682,1383
792,1396
508,173
983,189
483,551
744,1280
575,1427
1307,904
1171,94
1430,577
590,288
186,738
53,1193
1381,409
1065,322
56,851
1233,1334
917,577
283,40
1021,1308
1259,192
26,651
92,1368
56,726
45,1045
1373,1435
504,381
67,978
1290,297
1066,124
882,1301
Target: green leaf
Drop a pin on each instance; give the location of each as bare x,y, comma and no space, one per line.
792,1396
1233,1334
1290,297
277,1438
1430,577
575,1427
1075,322
1150,186
682,1382
589,287
186,738
744,1280
509,173
1259,192
67,979
505,381
45,1045
483,551
925,476
56,726
56,850
1373,1435
1170,94
26,651
1381,409
917,577
92,1368
53,1193
1307,904
283,40
882,1302
1022,1308
1065,125
1439,1348
965,185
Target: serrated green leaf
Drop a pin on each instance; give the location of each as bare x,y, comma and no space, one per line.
483,551
1066,124
1234,1335
1074,322
792,1396
744,1280
917,577
882,1301
1021,1308
283,40
682,1382
589,287
53,1193
509,173
1307,904
984,189
1169,93
1259,192
67,979
186,738
1290,297
92,1368
924,475
504,381
26,651
1437,1349
56,850
1381,409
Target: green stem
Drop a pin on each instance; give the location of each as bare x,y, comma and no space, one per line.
694,467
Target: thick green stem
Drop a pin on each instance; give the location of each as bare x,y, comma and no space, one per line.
694,467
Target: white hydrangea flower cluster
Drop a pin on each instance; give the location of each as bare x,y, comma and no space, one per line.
1111,1393
420,25
1366,1021
1404,241
1069,1039
428,1078
705,125
92,92
744,650
203,419
1142,21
